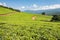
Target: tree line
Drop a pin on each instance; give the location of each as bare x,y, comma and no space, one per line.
10,8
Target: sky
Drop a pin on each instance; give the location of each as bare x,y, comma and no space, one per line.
31,4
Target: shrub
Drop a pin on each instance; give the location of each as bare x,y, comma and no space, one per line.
43,13
55,18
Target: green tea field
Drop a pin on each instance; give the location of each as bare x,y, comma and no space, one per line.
22,26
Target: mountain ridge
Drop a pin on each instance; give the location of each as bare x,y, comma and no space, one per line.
48,12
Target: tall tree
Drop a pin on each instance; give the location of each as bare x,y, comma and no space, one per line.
43,13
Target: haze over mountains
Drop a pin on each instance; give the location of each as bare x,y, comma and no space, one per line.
48,12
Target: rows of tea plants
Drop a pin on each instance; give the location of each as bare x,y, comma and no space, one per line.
32,31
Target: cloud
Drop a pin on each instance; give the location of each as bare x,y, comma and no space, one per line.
1,3
38,7
50,7
23,7
35,6
4,4
47,7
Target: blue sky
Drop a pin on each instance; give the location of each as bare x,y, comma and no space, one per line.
31,4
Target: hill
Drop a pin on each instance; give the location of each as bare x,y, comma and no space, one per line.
20,26
48,12
5,10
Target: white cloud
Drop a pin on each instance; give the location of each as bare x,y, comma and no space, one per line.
4,4
50,7
38,7
46,7
35,6
1,3
23,7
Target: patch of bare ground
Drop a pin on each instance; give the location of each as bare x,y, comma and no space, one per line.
7,14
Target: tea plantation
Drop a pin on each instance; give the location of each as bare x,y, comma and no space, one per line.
20,26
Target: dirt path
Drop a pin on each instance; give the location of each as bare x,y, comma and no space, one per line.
7,14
